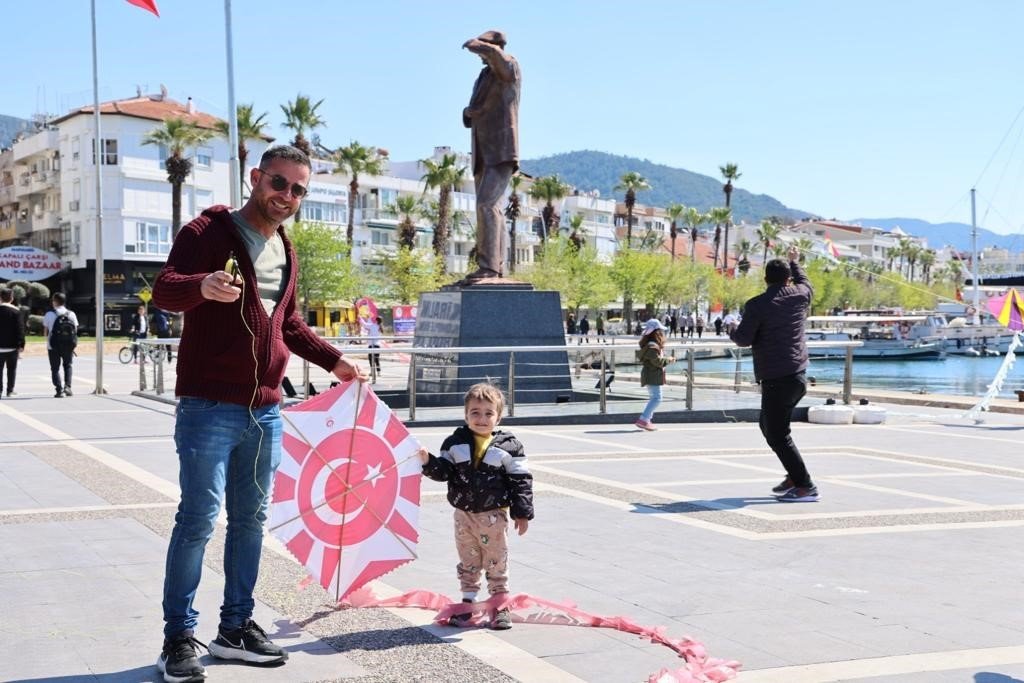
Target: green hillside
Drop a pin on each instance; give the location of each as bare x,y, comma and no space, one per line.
589,170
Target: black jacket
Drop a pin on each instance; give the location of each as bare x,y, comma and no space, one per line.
501,479
12,332
773,325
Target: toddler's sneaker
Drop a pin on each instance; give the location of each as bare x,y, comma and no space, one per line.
247,643
501,621
462,619
645,424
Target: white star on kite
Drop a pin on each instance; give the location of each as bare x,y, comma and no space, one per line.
373,474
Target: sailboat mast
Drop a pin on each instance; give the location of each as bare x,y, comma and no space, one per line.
974,261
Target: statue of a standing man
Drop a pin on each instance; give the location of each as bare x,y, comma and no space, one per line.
493,116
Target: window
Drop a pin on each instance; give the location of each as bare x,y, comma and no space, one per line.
324,212
150,238
76,151
204,157
109,152
379,238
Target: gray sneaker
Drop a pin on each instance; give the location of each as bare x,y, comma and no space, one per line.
799,494
786,486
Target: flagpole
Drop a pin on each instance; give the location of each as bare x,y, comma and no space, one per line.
98,163
974,262
234,171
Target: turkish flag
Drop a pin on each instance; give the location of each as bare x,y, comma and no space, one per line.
148,5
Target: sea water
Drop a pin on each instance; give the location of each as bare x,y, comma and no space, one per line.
956,375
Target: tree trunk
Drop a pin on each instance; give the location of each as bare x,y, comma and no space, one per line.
353,195
512,248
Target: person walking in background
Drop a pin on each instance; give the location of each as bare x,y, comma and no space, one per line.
652,373
12,339
691,322
371,328
139,330
700,326
773,325
234,275
600,327
60,326
162,328
570,325
488,482
718,326
584,329
673,325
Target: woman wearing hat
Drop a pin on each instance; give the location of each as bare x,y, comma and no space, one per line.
652,374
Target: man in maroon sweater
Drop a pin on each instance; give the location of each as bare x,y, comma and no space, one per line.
240,328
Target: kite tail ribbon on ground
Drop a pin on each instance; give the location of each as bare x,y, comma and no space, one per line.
528,609
997,382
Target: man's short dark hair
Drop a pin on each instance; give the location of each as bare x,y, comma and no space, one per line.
776,272
6,295
59,298
286,152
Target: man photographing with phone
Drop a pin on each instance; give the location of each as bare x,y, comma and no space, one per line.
773,325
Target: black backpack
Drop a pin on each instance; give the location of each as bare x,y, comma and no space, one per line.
64,335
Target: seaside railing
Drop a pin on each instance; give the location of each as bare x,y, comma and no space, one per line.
714,367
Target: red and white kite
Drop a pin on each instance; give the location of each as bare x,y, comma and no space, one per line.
347,492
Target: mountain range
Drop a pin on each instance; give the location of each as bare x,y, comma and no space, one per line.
590,170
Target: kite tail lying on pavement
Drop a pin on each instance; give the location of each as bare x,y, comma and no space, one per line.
527,609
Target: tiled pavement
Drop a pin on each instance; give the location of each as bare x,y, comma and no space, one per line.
908,570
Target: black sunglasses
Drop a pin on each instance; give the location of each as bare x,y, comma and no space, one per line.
279,183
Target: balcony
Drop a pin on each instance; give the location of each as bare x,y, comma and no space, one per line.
7,194
45,142
42,182
49,220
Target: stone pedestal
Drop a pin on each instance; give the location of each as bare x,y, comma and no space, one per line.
504,313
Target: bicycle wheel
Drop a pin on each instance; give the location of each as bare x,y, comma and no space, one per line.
125,355
156,354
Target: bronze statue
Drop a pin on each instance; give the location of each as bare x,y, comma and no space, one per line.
493,117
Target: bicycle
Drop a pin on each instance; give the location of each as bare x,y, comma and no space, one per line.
155,354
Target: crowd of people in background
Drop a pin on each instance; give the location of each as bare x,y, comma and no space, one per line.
676,323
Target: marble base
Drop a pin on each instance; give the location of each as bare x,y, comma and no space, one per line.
490,314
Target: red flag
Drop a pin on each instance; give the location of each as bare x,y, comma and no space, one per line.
148,5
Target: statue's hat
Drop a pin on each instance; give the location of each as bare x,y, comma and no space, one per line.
493,37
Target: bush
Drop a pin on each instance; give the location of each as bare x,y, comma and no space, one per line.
34,325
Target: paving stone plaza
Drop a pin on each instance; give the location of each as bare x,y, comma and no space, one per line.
907,571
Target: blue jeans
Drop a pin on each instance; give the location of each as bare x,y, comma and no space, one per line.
222,452
654,391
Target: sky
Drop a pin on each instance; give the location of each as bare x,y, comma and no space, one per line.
842,108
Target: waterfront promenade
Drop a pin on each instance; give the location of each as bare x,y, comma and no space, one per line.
907,571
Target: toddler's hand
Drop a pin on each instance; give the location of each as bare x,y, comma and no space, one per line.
424,455
522,525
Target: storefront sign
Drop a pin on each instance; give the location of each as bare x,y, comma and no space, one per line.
404,319
28,263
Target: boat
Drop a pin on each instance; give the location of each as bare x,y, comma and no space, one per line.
958,336
882,337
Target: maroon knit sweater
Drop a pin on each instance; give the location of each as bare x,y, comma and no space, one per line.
216,358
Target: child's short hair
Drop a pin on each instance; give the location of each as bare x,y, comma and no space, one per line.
484,391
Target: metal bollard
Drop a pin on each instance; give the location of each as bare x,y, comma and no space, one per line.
512,384
159,381
848,376
604,384
739,359
689,378
412,386
141,355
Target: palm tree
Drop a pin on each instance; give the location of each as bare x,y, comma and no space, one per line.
805,245
730,172
913,254
927,259
512,212
768,232
549,189
249,128
354,159
444,176
576,236
632,182
674,211
693,219
720,215
176,136
743,248
406,205
903,250
301,116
